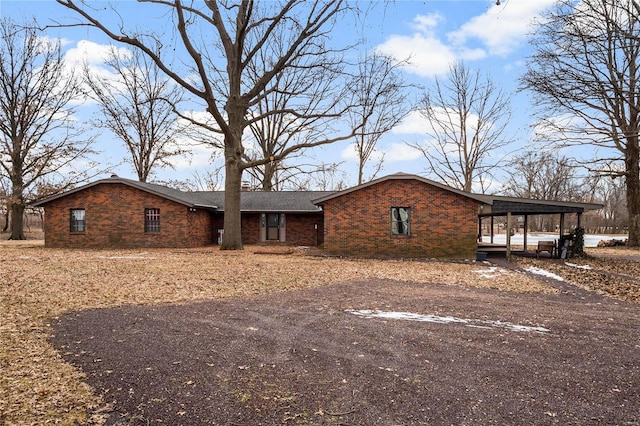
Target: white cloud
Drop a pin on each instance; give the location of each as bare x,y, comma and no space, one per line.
349,153
92,53
52,42
200,156
94,56
413,123
496,32
426,54
401,152
392,153
501,28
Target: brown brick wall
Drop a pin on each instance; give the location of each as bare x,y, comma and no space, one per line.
115,218
299,228
250,228
442,224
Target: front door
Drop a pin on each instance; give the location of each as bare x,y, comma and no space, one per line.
273,226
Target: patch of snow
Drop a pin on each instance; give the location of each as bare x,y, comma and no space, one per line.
516,327
475,323
544,273
406,316
491,272
573,265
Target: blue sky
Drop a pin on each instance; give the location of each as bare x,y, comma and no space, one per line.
488,37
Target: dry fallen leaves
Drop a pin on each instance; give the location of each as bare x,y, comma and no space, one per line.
37,386
614,273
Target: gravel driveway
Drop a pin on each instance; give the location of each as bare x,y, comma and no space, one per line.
364,353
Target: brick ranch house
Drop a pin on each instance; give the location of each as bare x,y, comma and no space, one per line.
400,215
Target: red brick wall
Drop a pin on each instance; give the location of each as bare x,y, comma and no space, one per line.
250,228
442,224
114,217
300,229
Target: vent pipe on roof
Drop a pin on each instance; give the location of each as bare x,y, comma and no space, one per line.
114,175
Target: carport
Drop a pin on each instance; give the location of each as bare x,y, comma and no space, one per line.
501,206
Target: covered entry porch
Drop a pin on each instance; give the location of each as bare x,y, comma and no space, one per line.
513,211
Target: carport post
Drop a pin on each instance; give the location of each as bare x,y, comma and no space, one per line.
491,229
526,226
508,235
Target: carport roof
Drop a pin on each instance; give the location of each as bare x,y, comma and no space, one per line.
497,205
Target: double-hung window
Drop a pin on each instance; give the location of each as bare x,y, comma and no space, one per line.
77,220
400,220
152,220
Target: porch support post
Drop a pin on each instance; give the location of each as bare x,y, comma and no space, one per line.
508,235
526,225
491,229
479,228
579,214
561,225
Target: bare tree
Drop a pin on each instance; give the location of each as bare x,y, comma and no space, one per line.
585,73
611,192
215,67
327,177
137,105
543,175
380,95
467,117
295,109
38,140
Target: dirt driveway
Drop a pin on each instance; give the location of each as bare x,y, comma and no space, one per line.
364,353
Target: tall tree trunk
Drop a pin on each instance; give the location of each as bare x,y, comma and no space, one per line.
17,203
17,221
633,190
232,238
6,218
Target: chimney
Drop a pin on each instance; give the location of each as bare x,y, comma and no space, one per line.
245,186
